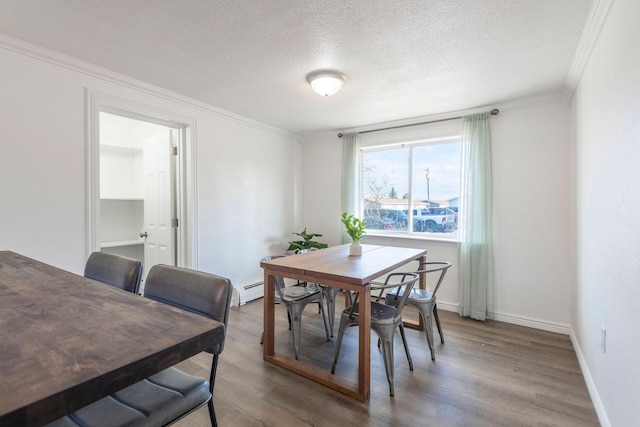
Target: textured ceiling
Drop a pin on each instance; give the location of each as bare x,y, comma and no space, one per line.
402,59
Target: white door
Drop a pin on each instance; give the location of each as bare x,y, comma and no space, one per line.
159,205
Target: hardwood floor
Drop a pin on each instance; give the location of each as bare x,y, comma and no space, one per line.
486,374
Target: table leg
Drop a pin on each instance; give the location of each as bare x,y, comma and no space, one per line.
364,353
269,315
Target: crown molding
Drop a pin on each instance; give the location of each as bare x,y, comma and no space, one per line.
592,29
46,55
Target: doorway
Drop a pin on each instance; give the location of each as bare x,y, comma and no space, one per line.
121,197
138,216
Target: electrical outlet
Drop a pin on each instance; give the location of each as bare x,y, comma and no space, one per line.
603,339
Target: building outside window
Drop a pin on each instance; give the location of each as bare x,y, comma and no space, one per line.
413,188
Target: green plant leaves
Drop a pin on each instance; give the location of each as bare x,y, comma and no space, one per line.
355,226
307,242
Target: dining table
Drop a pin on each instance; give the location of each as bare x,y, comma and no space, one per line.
67,341
334,267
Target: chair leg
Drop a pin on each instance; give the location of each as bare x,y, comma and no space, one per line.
212,383
387,355
425,311
212,374
296,322
330,294
435,316
212,413
324,317
344,324
406,347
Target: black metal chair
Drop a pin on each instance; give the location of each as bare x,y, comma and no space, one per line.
425,300
385,320
170,395
114,270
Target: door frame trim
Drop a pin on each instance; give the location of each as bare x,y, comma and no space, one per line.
186,183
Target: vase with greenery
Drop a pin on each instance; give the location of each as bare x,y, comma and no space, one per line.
307,243
355,229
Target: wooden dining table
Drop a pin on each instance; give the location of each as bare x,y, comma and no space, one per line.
336,268
67,341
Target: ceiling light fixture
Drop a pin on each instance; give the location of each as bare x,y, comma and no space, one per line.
326,82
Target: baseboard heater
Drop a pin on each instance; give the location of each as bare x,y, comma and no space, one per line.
251,292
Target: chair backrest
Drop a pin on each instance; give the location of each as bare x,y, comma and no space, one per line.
398,281
279,280
114,270
433,267
198,292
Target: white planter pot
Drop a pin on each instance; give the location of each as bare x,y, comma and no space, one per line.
355,249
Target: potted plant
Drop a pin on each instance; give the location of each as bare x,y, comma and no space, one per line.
355,229
306,244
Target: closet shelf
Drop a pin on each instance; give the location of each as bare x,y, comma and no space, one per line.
120,148
117,243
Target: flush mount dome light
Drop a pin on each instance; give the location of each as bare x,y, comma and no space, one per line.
326,82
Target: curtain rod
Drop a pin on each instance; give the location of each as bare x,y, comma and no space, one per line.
493,112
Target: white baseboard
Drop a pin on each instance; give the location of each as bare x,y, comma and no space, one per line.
250,292
516,320
447,306
532,323
591,386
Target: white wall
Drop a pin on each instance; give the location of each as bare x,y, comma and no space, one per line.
532,213
532,230
247,172
607,132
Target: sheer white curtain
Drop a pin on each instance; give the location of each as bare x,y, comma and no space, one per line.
350,177
475,245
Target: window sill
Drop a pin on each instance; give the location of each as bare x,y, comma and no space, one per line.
414,237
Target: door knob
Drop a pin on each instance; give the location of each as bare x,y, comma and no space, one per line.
143,234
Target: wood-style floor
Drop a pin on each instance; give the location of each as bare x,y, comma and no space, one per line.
486,374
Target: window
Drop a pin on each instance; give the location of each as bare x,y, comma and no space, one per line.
413,188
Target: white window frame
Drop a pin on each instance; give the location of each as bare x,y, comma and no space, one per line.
451,139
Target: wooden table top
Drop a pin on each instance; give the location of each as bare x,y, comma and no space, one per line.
334,264
66,341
